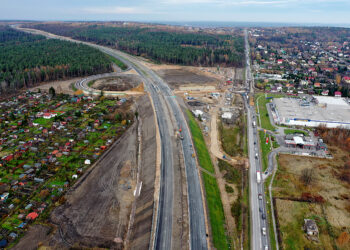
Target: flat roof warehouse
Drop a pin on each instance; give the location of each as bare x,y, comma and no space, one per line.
312,111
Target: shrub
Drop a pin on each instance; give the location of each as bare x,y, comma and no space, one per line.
229,189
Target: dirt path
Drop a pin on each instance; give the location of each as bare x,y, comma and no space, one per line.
63,86
215,144
215,149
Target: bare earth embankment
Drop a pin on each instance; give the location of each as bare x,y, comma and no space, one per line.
97,208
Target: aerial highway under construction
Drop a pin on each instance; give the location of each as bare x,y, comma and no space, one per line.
166,106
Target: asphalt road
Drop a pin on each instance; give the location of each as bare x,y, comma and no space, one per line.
195,202
257,206
162,96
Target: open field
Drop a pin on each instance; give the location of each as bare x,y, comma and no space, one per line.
121,83
324,197
291,219
212,192
232,137
182,76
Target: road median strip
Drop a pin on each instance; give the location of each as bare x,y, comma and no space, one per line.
213,197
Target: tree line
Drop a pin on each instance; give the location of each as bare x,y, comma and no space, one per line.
161,46
27,60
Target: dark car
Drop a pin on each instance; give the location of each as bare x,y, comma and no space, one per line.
263,216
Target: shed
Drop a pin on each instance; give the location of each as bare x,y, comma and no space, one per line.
197,113
311,229
227,117
32,216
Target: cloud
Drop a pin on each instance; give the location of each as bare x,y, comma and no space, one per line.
255,2
248,2
180,2
116,10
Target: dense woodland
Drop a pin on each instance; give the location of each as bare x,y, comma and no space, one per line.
161,46
27,60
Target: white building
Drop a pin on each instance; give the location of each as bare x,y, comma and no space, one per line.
329,111
227,117
198,113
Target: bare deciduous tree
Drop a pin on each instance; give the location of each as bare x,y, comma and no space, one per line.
307,176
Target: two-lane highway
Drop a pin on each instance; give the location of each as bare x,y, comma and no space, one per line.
259,224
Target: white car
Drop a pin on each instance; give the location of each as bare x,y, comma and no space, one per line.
263,230
266,247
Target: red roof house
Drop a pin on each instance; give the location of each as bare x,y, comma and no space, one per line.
337,94
32,216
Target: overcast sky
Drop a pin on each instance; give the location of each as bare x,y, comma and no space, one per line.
286,11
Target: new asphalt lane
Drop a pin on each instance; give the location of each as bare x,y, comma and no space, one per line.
158,88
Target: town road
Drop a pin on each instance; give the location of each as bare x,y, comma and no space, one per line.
259,240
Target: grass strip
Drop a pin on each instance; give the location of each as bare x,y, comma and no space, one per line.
201,149
216,212
265,150
295,131
269,213
212,191
117,62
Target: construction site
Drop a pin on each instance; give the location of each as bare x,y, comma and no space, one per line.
217,106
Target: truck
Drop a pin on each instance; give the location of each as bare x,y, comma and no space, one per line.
254,124
258,176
